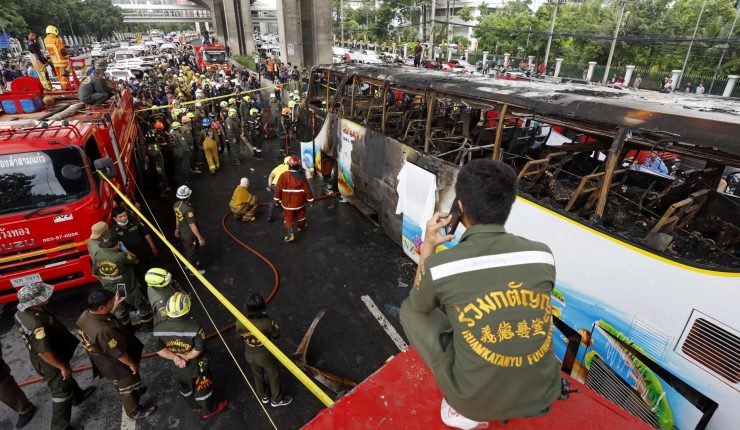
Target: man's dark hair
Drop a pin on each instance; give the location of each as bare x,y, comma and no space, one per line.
117,211
487,190
98,298
255,306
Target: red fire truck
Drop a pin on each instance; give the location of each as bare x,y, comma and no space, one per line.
212,58
50,192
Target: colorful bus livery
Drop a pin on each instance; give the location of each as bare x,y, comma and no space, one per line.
50,192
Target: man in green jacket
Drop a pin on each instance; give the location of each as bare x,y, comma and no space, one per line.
491,349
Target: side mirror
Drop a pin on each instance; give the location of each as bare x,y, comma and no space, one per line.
71,172
105,165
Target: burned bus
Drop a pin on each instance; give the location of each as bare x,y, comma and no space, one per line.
635,193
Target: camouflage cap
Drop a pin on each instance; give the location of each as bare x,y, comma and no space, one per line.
98,229
34,294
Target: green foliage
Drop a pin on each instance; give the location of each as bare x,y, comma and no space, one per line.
97,18
465,13
245,61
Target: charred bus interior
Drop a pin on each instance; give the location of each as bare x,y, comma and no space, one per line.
579,152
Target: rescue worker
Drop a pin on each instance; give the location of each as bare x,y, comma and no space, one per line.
187,228
160,287
231,129
38,60
275,112
244,107
210,148
135,237
254,125
115,353
265,367
97,231
113,266
181,338
243,203
154,151
50,348
182,159
272,180
186,130
13,397
292,191
59,56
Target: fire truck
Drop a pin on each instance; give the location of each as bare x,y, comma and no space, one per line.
212,58
51,148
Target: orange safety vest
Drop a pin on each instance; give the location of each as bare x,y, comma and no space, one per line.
54,46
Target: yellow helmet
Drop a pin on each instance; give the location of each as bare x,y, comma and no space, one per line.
223,104
157,277
232,112
178,305
50,29
176,113
175,125
190,115
291,104
232,101
253,111
247,99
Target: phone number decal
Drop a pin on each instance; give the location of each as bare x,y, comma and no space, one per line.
60,237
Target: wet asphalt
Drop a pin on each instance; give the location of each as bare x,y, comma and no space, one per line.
341,257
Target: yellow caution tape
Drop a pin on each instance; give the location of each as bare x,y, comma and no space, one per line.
41,252
207,100
287,362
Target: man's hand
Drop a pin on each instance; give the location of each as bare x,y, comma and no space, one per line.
66,372
179,361
134,368
433,236
201,241
177,233
117,300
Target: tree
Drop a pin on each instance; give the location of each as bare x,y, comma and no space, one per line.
483,9
97,18
465,14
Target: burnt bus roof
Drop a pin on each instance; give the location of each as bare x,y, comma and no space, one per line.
710,122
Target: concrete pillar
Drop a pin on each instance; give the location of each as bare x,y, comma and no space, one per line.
291,36
449,53
197,27
247,28
731,80
219,21
394,49
506,59
467,54
558,64
405,50
530,61
208,26
485,56
628,74
232,27
316,27
590,74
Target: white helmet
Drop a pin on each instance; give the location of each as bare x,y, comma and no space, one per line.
184,192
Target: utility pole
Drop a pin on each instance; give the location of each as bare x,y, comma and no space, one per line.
341,22
622,4
448,22
677,85
722,57
552,29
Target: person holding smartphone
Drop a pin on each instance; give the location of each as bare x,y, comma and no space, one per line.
491,348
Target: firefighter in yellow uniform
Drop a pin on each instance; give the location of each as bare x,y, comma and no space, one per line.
59,56
243,203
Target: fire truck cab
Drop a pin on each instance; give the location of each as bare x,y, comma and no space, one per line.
50,191
212,58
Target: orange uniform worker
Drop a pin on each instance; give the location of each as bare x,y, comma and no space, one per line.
59,55
292,192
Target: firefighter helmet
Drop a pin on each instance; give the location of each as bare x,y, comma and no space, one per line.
294,161
50,29
224,104
291,104
184,192
232,101
247,99
206,122
232,112
190,115
178,305
175,125
286,111
157,277
253,111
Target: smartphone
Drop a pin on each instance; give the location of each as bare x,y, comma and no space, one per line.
121,289
454,218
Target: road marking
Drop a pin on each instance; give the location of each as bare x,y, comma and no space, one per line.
384,323
126,422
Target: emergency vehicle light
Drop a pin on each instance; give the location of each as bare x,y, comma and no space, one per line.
17,125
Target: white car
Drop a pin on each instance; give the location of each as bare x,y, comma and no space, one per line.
166,46
97,53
